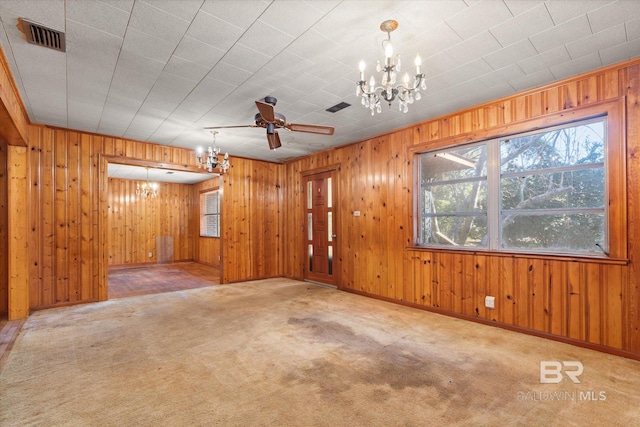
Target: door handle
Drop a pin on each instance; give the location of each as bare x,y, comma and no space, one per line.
333,236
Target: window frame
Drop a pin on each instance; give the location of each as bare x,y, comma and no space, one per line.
203,215
614,169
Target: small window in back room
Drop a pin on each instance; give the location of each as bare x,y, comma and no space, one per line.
210,213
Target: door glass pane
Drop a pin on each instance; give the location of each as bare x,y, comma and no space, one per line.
310,257
310,225
330,226
330,250
329,193
309,195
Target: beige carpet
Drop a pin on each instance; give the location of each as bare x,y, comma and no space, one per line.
281,352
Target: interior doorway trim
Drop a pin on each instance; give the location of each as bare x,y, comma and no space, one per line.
103,208
335,169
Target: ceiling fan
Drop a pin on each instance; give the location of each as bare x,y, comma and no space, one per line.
270,120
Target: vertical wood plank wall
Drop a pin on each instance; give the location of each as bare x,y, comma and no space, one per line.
13,117
206,249
252,221
135,222
4,272
17,239
67,180
597,304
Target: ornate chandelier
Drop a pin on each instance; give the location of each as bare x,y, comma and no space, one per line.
147,189
389,91
210,160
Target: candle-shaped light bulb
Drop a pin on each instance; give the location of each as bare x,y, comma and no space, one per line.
362,66
372,83
388,50
418,64
406,80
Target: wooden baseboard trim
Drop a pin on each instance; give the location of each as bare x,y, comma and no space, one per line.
591,346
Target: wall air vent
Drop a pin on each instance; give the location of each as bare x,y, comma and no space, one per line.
42,36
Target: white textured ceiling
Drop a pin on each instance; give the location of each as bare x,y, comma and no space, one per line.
161,70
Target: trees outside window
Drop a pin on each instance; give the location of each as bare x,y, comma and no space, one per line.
543,191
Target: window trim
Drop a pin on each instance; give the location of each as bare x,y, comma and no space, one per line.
202,196
615,174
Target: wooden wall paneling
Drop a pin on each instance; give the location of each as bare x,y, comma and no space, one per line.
241,239
14,122
292,222
456,281
88,225
61,233
522,289
468,285
631,82
4,224
537,273
73,219
446,276
36,235
47,167
18,233
136,223
594,296
556,292
575,325
103,228
396,211
612,289
412,289
493,288
479,282
257,220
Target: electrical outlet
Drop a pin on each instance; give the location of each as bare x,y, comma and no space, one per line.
490,302
356,213
150,254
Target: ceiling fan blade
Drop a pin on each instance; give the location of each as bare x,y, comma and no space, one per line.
274,140
266,111
324,130
230,127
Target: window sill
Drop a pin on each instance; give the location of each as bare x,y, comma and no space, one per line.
572,258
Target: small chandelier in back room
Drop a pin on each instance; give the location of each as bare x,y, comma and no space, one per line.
388,91
210,160
147,189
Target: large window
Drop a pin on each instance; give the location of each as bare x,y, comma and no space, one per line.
542,191
210,213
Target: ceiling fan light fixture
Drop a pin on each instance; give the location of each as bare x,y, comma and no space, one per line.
405,93
268,119
274,140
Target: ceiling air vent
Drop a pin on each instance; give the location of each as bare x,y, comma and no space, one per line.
42,36
338,107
